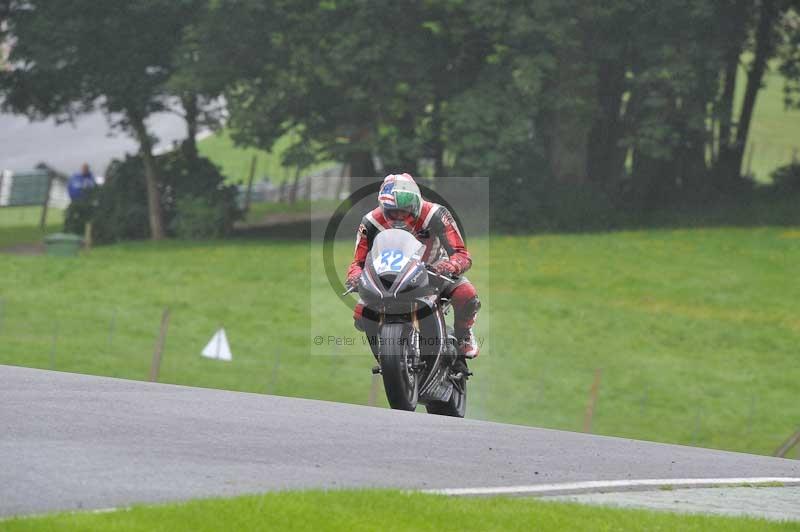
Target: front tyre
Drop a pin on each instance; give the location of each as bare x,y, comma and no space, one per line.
396,358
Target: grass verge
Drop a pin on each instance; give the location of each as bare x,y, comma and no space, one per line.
382,510
695,331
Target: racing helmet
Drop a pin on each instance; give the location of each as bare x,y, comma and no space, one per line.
399,196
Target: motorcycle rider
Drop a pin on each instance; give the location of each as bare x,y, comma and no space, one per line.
401,206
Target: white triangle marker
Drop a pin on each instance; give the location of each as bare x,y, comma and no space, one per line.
218,347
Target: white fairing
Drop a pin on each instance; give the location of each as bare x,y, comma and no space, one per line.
393,249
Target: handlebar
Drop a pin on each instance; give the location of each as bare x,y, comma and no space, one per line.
351,289
439,275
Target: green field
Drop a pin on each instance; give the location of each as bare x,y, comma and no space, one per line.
235,161
382,510
20,225
259,211
696,331
26,217
775,131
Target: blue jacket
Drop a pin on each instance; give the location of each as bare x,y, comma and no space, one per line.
78,183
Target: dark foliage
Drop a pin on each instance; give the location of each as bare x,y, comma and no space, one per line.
195,201
787,178
584,114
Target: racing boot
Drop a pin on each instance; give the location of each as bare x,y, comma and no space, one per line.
467,343
459,369
467,348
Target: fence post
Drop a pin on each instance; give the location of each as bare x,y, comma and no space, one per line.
537,399
155,366
111,329
274,382
698,425
53,346
786,446
644,401
588,418
87,235
751,417
46,202
249,195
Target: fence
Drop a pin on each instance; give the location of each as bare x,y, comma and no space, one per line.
165,343
36,188
325,186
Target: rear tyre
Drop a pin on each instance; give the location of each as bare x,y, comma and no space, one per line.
399,378
456,406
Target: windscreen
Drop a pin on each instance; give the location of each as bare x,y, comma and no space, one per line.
393,249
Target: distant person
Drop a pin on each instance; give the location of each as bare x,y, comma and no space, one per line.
81,181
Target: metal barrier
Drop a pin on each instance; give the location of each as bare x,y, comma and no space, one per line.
39,187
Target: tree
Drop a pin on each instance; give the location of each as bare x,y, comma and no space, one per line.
354,81
70,58
766,38
626,98
193,83
789,53
735,18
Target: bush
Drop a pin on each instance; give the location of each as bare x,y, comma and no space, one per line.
787,178
521,205
197,219
118,209
579,207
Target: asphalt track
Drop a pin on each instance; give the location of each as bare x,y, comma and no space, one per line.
72,441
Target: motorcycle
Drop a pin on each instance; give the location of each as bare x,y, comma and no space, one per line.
404,320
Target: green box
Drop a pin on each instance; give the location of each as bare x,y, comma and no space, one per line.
63,244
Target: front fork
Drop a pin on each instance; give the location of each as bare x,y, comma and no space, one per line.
417,363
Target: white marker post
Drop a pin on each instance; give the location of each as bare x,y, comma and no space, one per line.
218,347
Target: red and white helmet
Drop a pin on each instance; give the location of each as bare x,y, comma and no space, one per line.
399,196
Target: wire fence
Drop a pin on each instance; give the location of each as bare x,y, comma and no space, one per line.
166,344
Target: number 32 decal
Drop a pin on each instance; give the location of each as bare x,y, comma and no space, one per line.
392,259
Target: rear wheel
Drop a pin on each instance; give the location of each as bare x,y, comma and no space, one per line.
456,406
396,358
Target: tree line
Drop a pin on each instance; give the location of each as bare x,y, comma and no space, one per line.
628,100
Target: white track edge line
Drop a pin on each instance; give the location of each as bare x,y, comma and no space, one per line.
543,489
73,511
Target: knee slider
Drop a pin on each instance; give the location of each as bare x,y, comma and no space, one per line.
473,305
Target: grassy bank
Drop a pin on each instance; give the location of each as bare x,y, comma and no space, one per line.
20,225
775,131
382,510
695,331
235,161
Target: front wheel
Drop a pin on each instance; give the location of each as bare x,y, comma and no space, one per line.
456,406
396,357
